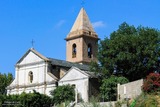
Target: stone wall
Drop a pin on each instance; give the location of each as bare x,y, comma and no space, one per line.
129,90
93,104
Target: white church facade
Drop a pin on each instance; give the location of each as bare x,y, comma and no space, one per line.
35,71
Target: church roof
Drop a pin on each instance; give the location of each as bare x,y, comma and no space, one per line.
82,22
82,26
57,62
64,63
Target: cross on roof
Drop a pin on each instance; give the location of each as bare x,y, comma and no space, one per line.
32,42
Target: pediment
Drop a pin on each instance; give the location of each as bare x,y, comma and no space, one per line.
31,56
74,74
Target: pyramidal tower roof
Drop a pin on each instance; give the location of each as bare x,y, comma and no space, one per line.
82,26
82,22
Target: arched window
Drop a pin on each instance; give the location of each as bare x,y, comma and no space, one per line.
30,76
74,50
89,51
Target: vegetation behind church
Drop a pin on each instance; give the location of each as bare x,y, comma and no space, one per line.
5,80
129,52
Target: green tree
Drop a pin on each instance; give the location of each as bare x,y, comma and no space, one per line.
5,80
63,93
108,88
131,52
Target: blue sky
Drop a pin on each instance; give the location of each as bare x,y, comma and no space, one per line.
49,21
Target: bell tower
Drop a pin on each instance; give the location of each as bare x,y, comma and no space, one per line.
82,41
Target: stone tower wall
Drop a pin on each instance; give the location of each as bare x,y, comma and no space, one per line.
93,43
82,33
78,42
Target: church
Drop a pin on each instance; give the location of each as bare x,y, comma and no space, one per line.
35,71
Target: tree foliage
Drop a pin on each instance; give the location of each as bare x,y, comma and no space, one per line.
34,99
63,93
152,83
108,88
5,80
132,52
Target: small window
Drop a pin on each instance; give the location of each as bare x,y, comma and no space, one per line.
74,50
89,51
30,76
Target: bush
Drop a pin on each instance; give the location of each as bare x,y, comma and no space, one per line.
152,83
34,99
63,93
108,89
146,100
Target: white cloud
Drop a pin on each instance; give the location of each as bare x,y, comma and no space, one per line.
60,23
98,24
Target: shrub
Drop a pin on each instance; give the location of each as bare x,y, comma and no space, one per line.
151,83
34,99
108,89
63,93
146,100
